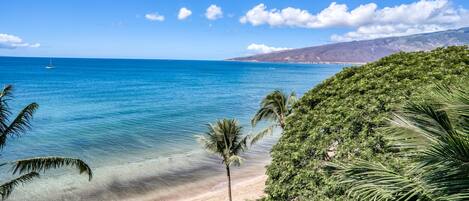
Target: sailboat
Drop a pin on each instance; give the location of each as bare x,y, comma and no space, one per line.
49,66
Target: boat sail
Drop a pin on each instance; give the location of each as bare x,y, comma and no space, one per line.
49,66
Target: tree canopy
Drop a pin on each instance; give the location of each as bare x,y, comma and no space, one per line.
338,120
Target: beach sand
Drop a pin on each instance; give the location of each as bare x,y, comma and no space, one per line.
210,183
247,189
247,184
183,178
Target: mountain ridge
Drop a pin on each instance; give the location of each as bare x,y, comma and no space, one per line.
364,51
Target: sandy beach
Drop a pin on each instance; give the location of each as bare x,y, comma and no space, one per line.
247,184
247,189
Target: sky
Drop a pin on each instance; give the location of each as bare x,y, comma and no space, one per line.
209,29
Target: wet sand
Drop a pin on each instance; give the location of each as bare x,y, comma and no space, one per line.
184,177
247,184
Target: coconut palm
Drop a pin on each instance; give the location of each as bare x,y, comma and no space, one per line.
225,138
275,107
27,169
433,139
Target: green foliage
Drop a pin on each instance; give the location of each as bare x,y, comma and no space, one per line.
346,110
432,135
28,168
7,187
39,164
225,138
275,107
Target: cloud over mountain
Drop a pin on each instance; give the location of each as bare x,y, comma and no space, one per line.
261,48
368,20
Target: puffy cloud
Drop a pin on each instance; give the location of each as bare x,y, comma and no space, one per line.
213,12
369,21
381,31
334,15
184,13
154,17
8,41
261,48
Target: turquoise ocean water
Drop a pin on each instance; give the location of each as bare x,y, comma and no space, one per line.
136,119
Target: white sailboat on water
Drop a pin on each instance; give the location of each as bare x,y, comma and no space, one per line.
49,66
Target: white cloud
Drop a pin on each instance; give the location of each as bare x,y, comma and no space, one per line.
334,15
154,17
35,45
381,31
8,41
213,12
261,48
184,13
369,21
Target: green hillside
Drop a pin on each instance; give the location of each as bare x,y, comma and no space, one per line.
339,119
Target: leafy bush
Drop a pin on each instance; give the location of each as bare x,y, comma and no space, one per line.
431,134
338,120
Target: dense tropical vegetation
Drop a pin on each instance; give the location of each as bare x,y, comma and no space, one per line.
225,138
275,108
27,169
432,136
338,120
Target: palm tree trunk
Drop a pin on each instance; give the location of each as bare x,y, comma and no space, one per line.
229,181
282,122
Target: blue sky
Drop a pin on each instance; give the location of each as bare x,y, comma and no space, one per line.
136,29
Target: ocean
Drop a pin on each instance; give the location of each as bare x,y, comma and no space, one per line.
134,121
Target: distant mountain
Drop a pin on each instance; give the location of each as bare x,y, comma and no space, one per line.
366,50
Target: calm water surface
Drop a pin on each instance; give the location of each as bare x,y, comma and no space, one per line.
124,115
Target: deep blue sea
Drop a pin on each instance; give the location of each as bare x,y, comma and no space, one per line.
136,118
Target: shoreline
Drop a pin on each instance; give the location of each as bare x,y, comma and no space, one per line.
297,62
197,178
247,184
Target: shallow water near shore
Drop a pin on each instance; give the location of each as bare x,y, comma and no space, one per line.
134,121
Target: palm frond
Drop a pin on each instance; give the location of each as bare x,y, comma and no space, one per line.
292,99
7,188
269,130
5,96
264,114
6,92
419,125
235,160
433,132
374,181
273,107
241,145
51,162
208,143
224,138
20,124
454,99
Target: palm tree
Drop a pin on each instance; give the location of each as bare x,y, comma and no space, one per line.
433,139
225,139
275,107
28,169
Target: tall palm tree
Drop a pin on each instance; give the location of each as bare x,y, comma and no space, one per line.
225,138
275,107
28,169
433,136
